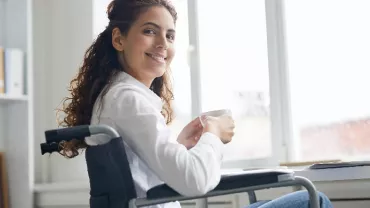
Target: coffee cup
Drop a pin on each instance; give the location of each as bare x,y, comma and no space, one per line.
214,113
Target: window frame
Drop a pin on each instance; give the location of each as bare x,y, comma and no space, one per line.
281,122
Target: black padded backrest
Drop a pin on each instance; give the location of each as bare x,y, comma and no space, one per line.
110,177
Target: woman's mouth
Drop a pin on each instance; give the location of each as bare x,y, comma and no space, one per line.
157,57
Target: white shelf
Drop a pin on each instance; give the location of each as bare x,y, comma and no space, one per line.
16,111
12,98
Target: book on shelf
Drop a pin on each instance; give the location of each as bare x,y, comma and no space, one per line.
11,71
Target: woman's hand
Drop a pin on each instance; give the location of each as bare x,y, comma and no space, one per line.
222,126
190,134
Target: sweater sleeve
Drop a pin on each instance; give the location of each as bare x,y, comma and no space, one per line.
189,172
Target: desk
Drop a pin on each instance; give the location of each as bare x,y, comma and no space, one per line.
336,174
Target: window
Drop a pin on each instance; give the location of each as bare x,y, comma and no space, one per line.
100,17
328,46
180,71
234,72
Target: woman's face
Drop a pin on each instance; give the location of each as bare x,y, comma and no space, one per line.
147,50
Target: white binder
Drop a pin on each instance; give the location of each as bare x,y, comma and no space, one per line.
14,69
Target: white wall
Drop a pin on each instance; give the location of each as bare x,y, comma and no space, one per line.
63,31
42,62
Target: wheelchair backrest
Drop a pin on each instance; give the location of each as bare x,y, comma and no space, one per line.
110,177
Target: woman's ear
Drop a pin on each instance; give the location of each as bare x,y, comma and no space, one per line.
117,40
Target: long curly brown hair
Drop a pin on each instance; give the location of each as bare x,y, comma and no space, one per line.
101,64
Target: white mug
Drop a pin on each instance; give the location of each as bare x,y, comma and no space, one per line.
215,113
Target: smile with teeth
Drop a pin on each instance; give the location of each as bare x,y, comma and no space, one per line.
157,58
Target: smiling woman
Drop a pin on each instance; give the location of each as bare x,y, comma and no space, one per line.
122,47
124,83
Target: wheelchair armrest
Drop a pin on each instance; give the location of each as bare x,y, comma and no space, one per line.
79,133
231,181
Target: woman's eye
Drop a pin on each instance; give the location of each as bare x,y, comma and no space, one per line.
149,31
171,37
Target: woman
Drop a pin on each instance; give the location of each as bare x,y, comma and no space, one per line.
124,83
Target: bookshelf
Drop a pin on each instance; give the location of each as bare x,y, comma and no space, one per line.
16,110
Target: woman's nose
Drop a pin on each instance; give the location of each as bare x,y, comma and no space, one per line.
162,43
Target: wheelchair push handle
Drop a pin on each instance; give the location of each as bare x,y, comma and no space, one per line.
55,136
67,134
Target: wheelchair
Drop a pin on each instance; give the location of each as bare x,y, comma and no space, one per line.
111,181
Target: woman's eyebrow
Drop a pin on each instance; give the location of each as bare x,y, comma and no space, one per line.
157,26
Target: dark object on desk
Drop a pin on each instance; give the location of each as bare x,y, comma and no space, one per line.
339,165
